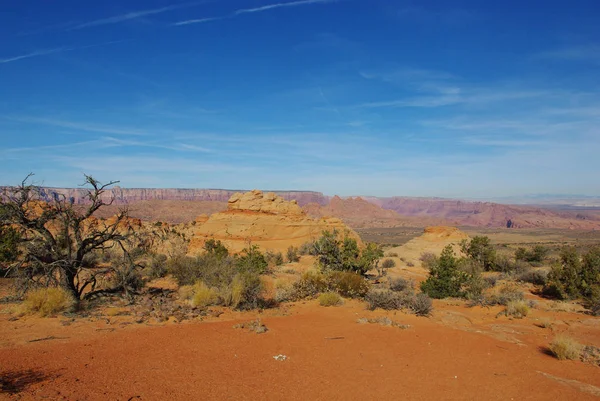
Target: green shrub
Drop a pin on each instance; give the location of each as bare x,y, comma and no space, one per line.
517,309
330,299
574,276
9,244
293,254
344,254
480,250
214,271
48,301
252,260
216,248
535,255
421,304
348,284
445,278
565,348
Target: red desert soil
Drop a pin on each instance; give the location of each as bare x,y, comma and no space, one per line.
329,357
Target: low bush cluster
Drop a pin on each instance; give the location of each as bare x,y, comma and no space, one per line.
537,254
343,254
420,303
575,275
446,279
400,295
216,277
347,284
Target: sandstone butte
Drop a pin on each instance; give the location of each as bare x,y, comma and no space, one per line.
265,220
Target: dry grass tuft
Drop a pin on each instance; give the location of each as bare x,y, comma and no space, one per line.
517,309
330,299
204,296
186,292
565,348
48,301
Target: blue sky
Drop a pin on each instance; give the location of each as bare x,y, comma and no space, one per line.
351,97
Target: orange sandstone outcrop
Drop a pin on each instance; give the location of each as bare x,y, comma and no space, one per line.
263,219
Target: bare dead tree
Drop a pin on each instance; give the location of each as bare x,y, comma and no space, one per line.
58,237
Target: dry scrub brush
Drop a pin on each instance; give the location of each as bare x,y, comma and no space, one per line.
517,309
48,301
564,347
330,299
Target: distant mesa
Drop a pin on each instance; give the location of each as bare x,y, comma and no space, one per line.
257,201
263,219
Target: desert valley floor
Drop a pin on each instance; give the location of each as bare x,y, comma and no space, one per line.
335,353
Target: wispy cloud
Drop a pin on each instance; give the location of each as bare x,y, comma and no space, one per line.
197,21
39,53
253,10
279,5
88,127
573,53
33,54
429,88
130,16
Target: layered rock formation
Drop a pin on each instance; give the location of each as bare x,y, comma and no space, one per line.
262,219
131,195
487,214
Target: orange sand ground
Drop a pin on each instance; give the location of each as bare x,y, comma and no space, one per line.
457,354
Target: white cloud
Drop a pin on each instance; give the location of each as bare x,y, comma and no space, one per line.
129,16
252,10
279,5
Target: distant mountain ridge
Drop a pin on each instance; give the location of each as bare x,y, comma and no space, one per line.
357,212
129,195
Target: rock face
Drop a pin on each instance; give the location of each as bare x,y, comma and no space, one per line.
486,214
257,201
266,220
130,195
